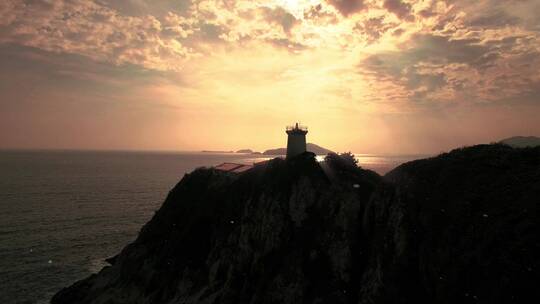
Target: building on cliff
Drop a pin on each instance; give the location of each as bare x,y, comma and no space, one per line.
296,140
233,167
296,144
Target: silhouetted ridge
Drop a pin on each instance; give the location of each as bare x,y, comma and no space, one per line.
457,228
522,141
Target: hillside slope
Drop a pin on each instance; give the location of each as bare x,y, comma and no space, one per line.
457,228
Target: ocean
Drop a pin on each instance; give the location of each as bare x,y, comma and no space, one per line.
62,213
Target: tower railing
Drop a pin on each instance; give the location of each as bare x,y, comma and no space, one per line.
296,127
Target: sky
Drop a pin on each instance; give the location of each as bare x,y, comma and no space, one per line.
371,76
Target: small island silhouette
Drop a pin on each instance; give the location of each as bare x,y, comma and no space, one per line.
311,147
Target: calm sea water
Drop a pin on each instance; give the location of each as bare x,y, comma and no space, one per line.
63,212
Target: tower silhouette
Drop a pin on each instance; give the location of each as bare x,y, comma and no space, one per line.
296,140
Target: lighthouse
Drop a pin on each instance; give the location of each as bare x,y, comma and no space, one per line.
296,141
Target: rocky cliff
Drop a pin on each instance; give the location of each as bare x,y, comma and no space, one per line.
457,228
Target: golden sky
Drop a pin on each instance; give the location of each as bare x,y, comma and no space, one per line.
373,76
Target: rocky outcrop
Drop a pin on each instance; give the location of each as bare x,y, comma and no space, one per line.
458,228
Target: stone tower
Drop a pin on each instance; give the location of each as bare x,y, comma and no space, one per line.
296,141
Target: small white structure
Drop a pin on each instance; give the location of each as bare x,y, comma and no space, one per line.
296,141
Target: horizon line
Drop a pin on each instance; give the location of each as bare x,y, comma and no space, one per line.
207,151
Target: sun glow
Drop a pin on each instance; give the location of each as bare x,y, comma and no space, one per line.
297,8
366,76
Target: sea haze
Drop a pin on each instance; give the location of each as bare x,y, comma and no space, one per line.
63,212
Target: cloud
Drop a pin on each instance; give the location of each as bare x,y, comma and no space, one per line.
320,14
280,16
484,15
443,49
348,7
96,31
290,45
68,72
374,28
137,68
440,68
428,49
401,9
493,18
146,7
433,53
210,32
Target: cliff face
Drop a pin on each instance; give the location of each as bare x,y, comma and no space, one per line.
471,227
453,229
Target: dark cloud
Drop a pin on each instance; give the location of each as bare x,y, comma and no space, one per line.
416,82
436,49
373,28
506,42
401,9
493,19
445,23
427,13
280,16
210,32
318,14
74,72
430,66
488,14
419,66
486,61
430,81
145,7
290,45
348,7
443,49
397,32
41,4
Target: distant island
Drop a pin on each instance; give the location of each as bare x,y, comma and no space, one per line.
247,151
216,151
318,150
522,141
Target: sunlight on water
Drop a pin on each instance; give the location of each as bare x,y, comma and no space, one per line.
376,162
